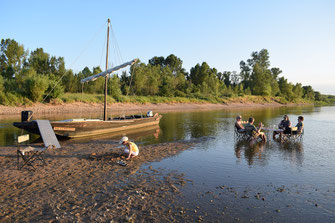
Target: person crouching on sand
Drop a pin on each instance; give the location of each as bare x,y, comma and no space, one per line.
131,148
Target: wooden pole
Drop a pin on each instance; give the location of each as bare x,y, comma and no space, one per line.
106,78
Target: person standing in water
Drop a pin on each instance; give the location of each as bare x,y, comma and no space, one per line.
131,148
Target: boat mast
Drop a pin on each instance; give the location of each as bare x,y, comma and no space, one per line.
106,78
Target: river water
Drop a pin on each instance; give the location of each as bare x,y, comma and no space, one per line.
232,180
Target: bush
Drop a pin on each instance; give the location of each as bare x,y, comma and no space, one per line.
54,90
36,86
10,99
2,82
3,98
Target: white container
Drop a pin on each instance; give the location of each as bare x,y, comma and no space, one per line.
150,114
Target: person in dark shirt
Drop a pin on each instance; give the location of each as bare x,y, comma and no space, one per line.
284,125
253,131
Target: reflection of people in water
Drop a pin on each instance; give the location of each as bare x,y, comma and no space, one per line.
294,151
250,151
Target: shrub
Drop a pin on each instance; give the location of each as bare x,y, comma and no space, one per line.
2,82
3,98
10,99
36,86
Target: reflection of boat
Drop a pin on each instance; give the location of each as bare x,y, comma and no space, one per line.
89,127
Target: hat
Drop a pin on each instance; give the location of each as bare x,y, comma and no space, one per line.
124,138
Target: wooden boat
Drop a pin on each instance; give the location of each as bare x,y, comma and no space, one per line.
74,128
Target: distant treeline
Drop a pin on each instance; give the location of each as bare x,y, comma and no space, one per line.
28,77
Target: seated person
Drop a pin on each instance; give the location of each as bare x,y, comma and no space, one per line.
253,131
239,124
285,125
299,125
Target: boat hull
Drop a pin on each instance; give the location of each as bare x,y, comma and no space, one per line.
84,128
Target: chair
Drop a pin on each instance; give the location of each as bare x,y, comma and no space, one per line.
293,135
31,154
28,154
241,135
251,133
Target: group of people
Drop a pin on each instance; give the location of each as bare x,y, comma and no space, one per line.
284,127
250,128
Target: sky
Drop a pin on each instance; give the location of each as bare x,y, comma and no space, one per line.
299,35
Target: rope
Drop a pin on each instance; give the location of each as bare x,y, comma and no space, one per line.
102,51
82,52
116,47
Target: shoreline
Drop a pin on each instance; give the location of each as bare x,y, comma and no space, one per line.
78,107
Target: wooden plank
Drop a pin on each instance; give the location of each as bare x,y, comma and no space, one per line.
47,134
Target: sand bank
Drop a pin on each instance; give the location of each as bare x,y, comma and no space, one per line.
122,107
84,183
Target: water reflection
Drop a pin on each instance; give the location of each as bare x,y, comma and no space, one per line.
292,151
251,151
261,152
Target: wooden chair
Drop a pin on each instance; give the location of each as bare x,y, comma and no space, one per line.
29,154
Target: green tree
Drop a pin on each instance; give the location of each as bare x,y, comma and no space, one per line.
39,60
71,82
261,81
55,88
245,74
12,58
146,79
308,92
226,78
114,87
317,96
298,91
285,88
36,87
57,66
199,74
2,82
125,82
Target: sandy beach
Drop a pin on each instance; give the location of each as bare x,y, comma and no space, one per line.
84,183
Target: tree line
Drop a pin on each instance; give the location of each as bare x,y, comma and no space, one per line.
34,76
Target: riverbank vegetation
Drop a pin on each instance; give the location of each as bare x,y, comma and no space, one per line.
28,77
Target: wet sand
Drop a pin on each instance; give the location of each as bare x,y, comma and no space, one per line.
84,183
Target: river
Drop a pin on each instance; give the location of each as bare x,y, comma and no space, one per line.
275,181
